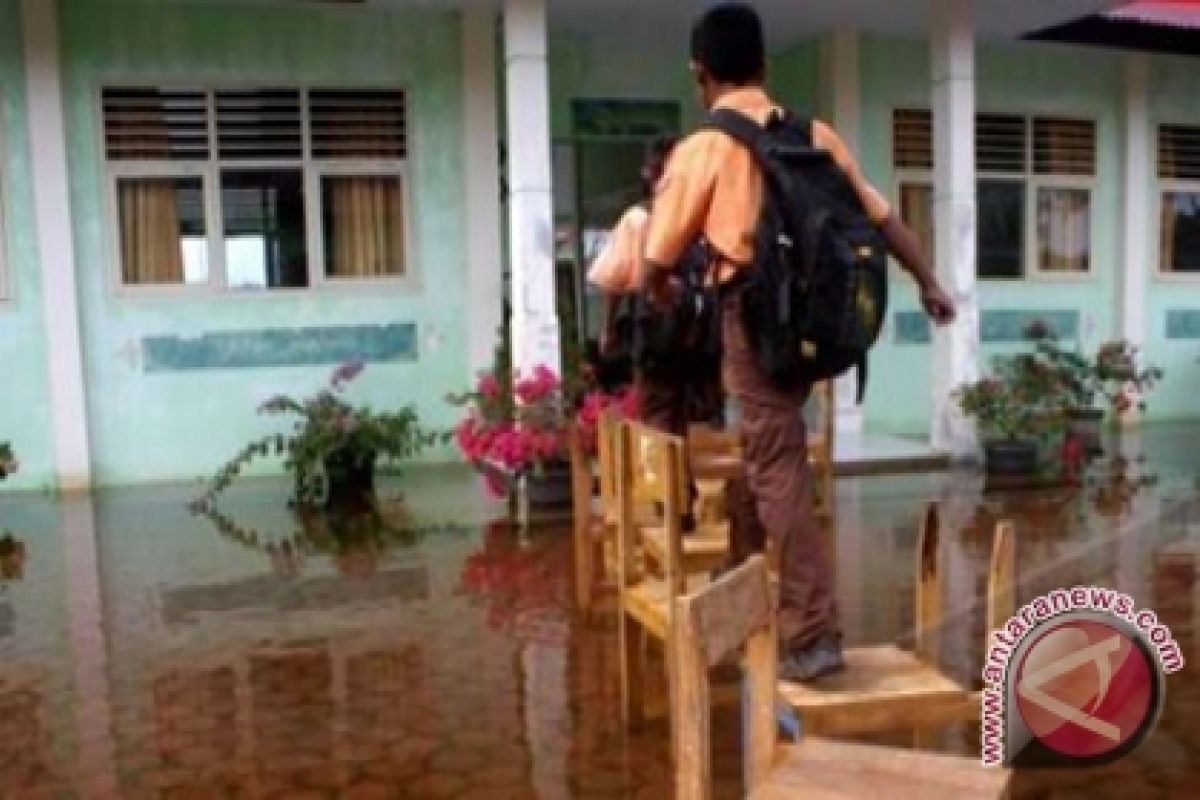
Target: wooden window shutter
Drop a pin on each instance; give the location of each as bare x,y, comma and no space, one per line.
145,123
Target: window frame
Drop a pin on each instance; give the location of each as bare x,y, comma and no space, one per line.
1162,186
210,171
1031,269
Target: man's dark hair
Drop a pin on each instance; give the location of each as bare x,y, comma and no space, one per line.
728,42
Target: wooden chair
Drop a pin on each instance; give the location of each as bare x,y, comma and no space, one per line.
707,546
885,687
595,517
715,457
822,435
735,614
649,468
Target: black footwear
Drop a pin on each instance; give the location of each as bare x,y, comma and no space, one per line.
820,659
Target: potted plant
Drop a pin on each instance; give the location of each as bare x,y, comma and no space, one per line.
1013,408
517,430
1113,377
8,461
333,448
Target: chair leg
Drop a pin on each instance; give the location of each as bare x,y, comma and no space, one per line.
632,670
585,568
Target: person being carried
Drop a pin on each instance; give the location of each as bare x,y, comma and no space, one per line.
713,189
675,388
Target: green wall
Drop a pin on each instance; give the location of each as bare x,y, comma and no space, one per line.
24,379
584,67
1173,99
1016,78
180,425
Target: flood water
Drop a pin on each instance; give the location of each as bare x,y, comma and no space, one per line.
146,652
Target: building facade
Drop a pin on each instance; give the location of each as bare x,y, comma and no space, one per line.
203,204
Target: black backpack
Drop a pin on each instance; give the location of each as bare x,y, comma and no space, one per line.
684,340
815,297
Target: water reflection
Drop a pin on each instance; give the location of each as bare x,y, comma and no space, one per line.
430,650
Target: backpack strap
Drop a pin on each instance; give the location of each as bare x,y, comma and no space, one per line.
814,214
748,132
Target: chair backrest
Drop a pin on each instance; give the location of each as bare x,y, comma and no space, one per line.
707,441
930,591
608,431
821,413
928,600
581,475
1001,584
711,624
650,473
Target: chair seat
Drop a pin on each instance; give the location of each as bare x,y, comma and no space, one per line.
882,688
703,549
830,770
648,602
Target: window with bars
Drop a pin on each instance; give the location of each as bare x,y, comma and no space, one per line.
1034,189
1179,198
257,187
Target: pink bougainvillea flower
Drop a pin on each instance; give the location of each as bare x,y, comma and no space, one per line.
489,386
346,372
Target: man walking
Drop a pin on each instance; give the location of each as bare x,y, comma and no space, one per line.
713,189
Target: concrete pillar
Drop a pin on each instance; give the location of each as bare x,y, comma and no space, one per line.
535,335
52,207
955,347
842,104
1138,237
481,167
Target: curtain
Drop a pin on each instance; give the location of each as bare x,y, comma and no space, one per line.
1169,221
150,240
916,209
1064,235
366,230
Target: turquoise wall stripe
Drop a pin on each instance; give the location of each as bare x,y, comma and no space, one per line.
1183,323
280,348
996,327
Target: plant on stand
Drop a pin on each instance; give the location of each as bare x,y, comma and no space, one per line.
514,430
333,447
1014,408
1114,378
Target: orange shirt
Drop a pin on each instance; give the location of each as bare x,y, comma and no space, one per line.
712,186
619,267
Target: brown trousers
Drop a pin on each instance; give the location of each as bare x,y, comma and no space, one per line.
775,494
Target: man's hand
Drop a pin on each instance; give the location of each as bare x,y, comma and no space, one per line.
937,304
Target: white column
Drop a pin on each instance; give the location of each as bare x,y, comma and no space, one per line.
481,167
842,104
52,207
955,347
1137,240
531,197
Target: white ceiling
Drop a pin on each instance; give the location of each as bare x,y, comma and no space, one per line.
787,21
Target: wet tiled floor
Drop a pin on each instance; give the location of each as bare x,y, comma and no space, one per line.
146,653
